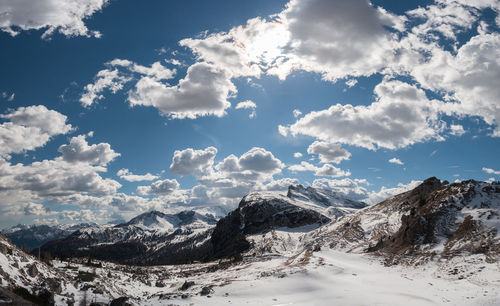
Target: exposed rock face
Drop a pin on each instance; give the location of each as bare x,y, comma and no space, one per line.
434,219
256,213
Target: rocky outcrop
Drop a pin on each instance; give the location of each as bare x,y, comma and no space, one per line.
436,219
257,213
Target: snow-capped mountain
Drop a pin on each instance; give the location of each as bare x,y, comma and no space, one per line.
435,220
33,236
138,241
439,244
158,221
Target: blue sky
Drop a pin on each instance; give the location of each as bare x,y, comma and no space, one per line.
112,108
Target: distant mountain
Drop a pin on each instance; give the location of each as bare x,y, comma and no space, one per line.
440,234
434,219
159,238
151,237
33,236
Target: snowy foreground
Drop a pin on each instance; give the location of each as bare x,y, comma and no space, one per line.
351,279
325,277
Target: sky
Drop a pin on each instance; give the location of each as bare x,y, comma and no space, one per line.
111,108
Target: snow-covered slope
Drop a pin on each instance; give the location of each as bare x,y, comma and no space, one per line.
434,220
445,237
19,271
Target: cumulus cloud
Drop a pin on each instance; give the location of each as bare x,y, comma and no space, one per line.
324,170
160,187
29,128
78,150
297,155
56,180
246,104
328,152
125,174
35,209
55,177
395,160
280,185
346,186
337,38
491,171
65,17
401,116
255,161
191,161
352,189
465,77
297,113
385,193
227,181
106,79
204,91
117,74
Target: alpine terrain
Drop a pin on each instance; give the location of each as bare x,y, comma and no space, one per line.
436,244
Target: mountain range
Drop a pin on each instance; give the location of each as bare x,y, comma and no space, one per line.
451,229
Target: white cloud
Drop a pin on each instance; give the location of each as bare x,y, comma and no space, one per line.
117,74
191,161
204,91
325,170
491,171
8,97
35,209
280,185
125,174
352,189
336,38
256,164
65,17
329,170
346,186
395,160
160,187
351,82
297,155
401,116
303,166
78,150
328,152
29,128
297,113
55,178
467,79
385,193
283,130
457,130
106,79
246,104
